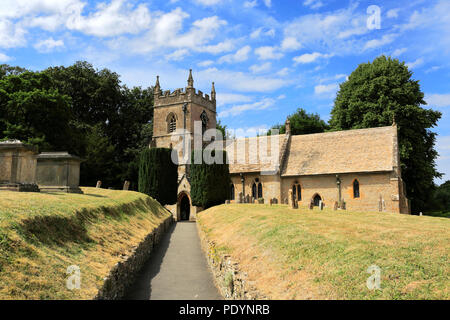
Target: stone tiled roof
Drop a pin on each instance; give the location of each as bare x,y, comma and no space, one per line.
363,150
253,161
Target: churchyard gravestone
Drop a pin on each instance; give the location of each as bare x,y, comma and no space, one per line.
58,172
17,166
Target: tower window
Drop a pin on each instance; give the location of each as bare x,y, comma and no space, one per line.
356,193
204,118
172,124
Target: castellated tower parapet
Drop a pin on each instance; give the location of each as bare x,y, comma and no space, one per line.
180,109
184,95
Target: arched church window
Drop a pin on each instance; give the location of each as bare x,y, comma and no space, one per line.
232,192
294,192
254,191
204,119
260,191
299,193
356,193
172,124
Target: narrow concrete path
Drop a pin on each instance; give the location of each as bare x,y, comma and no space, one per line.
176,270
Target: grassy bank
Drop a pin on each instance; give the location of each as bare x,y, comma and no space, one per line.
43,234
303,254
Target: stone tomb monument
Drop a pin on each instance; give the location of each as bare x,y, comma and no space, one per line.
17,166
58,172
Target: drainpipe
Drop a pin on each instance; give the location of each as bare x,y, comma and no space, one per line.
243,187
338,182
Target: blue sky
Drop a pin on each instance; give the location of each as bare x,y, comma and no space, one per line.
267,57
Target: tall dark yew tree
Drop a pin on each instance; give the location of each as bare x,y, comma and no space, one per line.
374,95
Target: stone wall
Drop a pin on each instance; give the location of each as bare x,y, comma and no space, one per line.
233,283
124,273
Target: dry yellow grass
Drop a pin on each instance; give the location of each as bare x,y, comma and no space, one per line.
42,234
303,254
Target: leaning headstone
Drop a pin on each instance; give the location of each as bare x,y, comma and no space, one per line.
247,199
240,198
99,184
270,201
321,205
126,185
311,205
336,205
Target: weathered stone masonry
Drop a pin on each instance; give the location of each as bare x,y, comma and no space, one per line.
124,273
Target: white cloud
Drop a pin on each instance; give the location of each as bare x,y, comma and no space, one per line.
208,2
240,55
398,52
414,64
433,69
313,4
268,3
45,46
290,44
443,161
310,57
283,72
250,4
438,100
221,47
177,55
258,68
268,53
376,43
240,81
392,13
11,35
260,32
4,57
328,88
238,109
230,98
334,31
205,63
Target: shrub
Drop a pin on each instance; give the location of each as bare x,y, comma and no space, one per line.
158,175
210,183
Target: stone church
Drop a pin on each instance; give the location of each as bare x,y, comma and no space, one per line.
356,170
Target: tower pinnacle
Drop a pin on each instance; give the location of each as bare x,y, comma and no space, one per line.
213,92
157,86
190,79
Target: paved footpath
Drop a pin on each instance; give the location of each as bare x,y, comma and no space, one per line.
176,270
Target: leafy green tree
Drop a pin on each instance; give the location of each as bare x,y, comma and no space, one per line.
33,111
303,123
210,183
378,92
158,175
102,107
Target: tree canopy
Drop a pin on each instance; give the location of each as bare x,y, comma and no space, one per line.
374,95
79,109
303,122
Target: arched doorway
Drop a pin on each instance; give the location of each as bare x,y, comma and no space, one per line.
185,207
317,198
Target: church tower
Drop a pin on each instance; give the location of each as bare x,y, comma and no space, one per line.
180,109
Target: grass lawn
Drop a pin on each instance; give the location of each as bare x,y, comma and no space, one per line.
42,234
303,254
